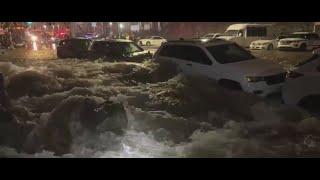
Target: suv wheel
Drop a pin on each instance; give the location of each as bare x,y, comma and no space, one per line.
303,47
270,47
148,43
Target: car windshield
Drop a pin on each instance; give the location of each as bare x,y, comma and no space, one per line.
229,53
231,33
117,48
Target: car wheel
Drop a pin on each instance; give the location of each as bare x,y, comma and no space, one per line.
148,43
140,43
270,47
303,47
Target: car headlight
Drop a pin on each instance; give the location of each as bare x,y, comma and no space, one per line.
254,79
204,40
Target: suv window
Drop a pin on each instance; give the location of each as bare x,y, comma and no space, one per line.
116,48
189,53
314,36
81,44
229,53
256,31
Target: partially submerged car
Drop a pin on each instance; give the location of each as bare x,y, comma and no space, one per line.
124,50
302,87
231,65
74,48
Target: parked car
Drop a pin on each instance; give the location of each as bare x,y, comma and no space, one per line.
209,36
300,41
263,44
244,34
302,87
74,48
228,63
152,41
266,44
125,50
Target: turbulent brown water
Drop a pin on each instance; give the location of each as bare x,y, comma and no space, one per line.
170,115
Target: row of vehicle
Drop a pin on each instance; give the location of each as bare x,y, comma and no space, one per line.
236,68
295,41
258,36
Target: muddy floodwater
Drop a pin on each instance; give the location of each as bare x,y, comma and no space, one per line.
169,114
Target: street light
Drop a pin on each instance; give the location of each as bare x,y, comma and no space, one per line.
110,23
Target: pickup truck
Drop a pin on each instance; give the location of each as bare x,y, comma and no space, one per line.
300,41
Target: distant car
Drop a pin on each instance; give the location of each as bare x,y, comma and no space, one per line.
263,44
266,44
300,41
152,41
91,35
74,48
302,87
124,50
210,36
228,63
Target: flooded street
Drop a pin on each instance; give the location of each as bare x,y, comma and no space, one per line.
169,114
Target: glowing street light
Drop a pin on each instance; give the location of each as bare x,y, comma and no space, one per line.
121,26
110,23
45,26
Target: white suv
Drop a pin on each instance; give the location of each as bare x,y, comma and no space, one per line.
300,41
228,63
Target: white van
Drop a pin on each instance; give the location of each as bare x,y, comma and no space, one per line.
244,34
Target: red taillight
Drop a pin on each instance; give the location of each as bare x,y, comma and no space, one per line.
293,75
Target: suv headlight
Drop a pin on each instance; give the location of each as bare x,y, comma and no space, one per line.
254,79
